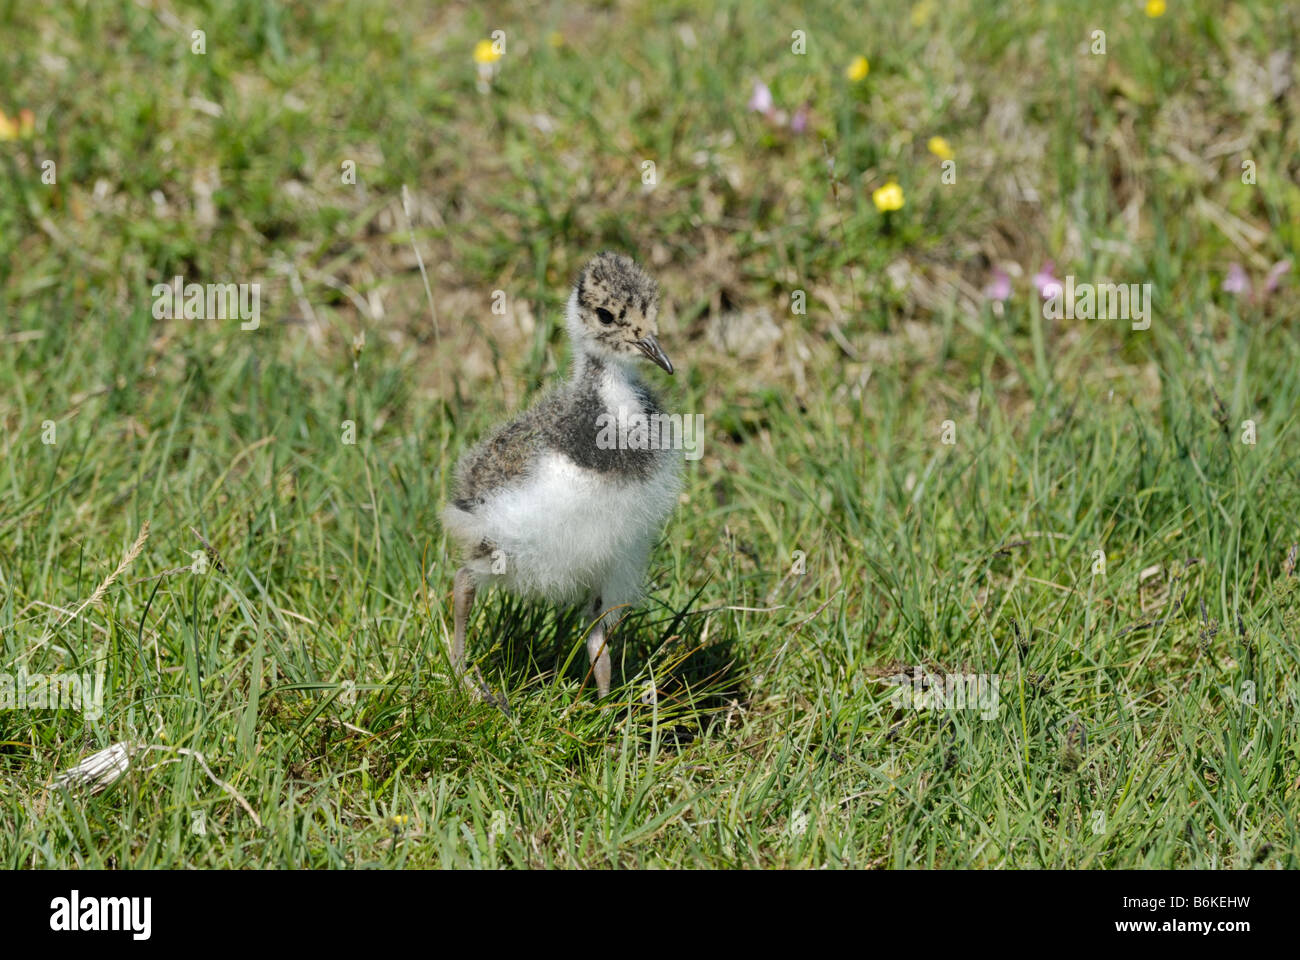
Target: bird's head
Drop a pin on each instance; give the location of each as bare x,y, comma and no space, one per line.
614,310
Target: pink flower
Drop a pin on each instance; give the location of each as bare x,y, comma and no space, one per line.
1236,282
1275,274
760,101
1047,284
999,287
800,121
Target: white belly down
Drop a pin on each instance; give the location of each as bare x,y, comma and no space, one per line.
566,532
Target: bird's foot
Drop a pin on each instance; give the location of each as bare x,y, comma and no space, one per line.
477,688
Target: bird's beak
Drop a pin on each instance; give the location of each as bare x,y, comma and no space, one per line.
650,347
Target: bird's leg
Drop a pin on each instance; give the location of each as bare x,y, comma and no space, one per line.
598,650
463,599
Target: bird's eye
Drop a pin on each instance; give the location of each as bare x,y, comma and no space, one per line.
605,316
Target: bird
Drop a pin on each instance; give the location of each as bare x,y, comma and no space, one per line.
564,502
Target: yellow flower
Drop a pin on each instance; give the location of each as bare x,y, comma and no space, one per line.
1155,8
921,13
940,148
22,126
858,69
555,39
485,51
887,198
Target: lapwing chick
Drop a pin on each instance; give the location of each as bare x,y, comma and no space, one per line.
564,502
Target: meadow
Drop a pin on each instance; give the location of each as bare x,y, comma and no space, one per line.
912,469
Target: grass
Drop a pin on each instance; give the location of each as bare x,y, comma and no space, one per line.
828,540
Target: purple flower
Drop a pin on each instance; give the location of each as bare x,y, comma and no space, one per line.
760,101
1047,284
1236,282
800,121
999,287
1275,275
